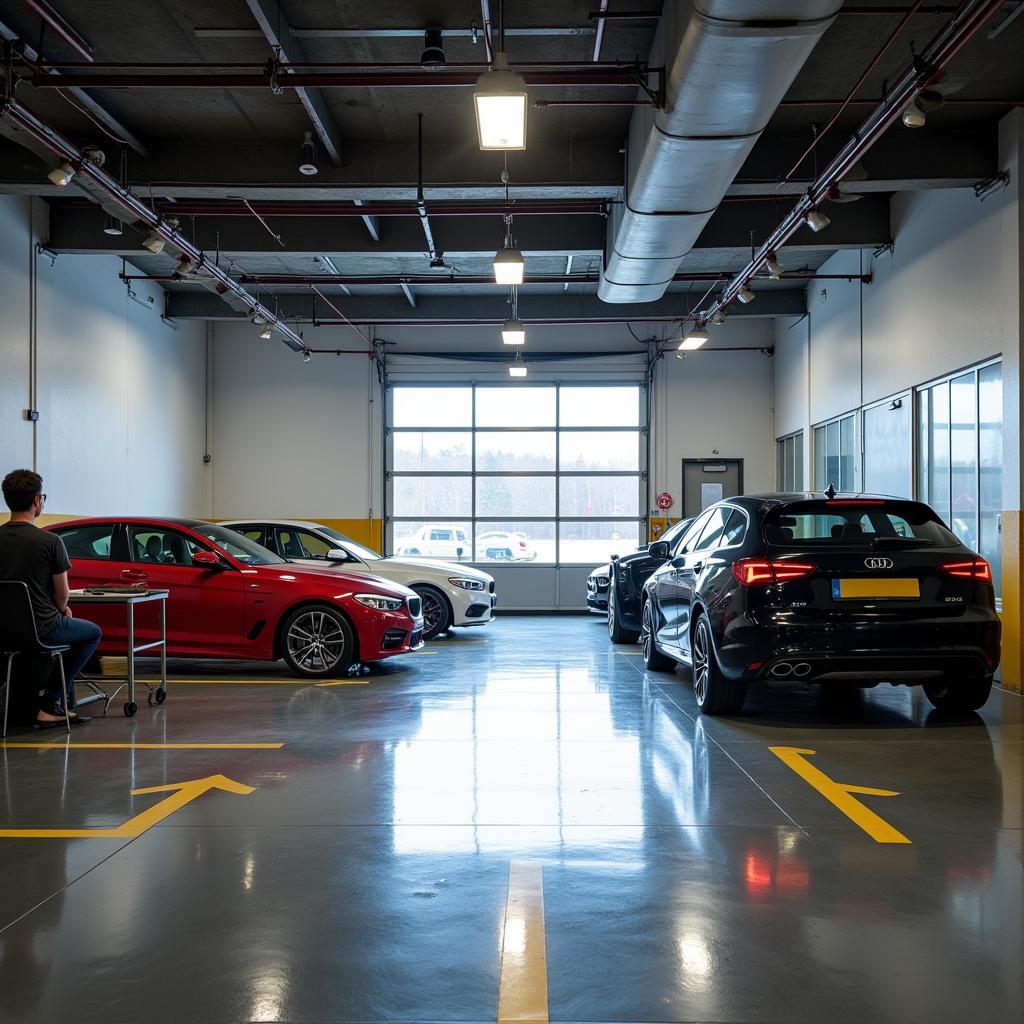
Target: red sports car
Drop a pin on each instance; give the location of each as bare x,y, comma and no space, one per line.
231,598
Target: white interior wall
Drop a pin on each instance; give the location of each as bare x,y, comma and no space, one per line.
293,439
120,394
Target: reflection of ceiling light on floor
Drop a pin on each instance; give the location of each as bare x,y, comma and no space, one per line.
696,958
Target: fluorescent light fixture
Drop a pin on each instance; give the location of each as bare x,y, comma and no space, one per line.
154,243
517,370
500,103
112,225
509,267
513,333
62,174
307,155
816,220
694,340
774,268
745,295
266,332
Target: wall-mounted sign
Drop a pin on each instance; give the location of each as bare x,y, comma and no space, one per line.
665,500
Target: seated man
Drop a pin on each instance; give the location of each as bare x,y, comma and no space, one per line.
39,559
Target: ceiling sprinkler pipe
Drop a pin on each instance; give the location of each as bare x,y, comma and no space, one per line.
949,40
137,210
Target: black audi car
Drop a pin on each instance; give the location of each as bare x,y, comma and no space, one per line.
627,575
850,588
599,581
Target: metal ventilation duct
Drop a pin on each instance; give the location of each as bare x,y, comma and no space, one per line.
728,65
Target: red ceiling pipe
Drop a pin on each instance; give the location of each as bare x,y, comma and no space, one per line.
61,27
944,46
598,77
441,208
425,280
324,65
947,102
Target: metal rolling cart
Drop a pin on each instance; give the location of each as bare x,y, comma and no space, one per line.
129,598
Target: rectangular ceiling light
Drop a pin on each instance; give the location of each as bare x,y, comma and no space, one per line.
500,104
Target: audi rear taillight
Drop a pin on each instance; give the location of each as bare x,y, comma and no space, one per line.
756,572
975,569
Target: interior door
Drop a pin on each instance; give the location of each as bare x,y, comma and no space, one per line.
706,481
205,607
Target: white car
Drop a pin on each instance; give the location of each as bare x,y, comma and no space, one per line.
452,595
504,546
436,542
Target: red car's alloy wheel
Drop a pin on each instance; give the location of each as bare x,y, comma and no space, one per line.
317,642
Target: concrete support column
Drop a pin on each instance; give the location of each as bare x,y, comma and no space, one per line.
1011,159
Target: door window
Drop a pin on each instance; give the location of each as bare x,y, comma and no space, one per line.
711,535
314,546
735,529
159,546
89,542
689,538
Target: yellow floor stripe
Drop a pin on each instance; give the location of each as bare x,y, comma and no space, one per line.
232,682
630,654
349,682
523,989
141,746
838,793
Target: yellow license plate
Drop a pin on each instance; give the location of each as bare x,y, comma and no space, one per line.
845,590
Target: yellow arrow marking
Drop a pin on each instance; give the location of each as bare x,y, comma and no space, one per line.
523,987
142,746
181,794
839,794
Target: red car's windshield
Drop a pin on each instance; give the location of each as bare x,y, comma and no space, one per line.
238,547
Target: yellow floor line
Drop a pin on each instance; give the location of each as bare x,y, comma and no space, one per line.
232,682
839,794
630,654
142,746
523,988
348,682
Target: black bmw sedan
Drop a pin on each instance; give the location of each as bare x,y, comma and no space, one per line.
852,588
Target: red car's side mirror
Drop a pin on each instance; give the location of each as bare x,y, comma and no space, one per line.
207,560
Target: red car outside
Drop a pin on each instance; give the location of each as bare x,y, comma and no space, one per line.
231,598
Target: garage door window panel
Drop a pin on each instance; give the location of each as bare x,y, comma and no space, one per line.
616,451
426,496
520,496
581,406
431,407
433,451
519,541
515,407
593,540
515,451
605,497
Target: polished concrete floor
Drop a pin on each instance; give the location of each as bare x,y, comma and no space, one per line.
690,869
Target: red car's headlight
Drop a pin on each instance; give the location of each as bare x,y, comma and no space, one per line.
380,603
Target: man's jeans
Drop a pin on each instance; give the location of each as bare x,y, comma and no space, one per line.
83,637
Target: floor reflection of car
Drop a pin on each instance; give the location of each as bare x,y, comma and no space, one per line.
435,542
452,595
504,546
845,589
231,598
629,574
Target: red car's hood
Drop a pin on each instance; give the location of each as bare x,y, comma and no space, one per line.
330,579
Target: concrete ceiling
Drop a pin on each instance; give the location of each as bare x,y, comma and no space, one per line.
235,144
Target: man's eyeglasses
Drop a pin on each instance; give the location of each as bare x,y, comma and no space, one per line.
43,496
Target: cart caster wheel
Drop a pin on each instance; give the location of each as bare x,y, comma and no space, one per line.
130,708
160,696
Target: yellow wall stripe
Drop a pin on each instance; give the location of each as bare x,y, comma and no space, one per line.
523,989
1012,666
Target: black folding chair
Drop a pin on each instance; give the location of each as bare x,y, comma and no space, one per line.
18,635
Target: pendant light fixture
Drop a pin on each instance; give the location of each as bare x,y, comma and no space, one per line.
513,332
509,265
500,101
307,155
518,368
695,339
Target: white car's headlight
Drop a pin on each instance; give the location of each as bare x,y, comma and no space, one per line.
466,583
381,604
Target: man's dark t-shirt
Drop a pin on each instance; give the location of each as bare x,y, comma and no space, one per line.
34,557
